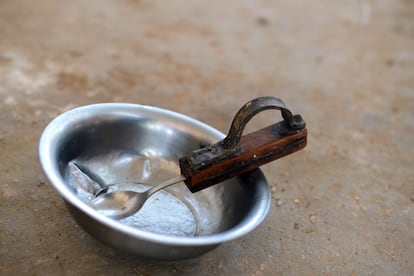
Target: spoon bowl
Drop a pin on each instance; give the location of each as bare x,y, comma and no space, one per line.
122,204
119,204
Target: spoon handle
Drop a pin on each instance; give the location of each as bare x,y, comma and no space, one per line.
165,184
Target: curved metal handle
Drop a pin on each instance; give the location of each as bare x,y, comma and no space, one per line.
250,109
230,146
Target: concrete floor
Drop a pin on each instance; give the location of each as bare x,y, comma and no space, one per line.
342,206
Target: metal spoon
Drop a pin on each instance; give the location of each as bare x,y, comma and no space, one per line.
122,204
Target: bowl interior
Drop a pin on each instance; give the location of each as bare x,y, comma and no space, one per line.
127,144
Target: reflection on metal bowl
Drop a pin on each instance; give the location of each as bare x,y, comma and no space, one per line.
127,143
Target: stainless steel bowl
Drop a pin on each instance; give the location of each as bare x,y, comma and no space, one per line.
108,139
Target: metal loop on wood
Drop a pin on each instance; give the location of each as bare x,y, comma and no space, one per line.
249,110
230,145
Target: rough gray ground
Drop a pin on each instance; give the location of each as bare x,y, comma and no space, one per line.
343,206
